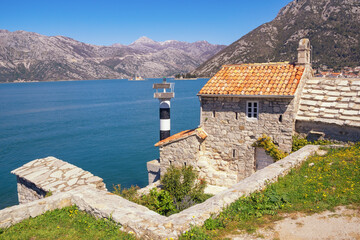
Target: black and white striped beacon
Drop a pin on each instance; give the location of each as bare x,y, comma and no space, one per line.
164,97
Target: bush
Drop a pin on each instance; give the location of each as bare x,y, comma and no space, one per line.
182,182
181,190
159,201
127,193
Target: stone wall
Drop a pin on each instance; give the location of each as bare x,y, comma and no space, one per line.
228,147
27,191
145,223
15,214
153,168
180,153
323,130
50,174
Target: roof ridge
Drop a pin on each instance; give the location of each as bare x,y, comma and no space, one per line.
257,64
199,132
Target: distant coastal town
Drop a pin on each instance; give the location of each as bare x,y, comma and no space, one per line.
346,72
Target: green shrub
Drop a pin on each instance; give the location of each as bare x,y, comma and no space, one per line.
181,190
182,182
159,201
214,223
269,147
127,193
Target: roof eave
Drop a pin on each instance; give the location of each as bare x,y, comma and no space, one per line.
174,140
246,96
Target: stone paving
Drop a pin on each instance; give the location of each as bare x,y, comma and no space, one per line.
50,174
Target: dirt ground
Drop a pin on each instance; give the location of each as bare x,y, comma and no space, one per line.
344,223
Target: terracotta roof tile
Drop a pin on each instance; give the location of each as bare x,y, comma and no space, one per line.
255,79
181,135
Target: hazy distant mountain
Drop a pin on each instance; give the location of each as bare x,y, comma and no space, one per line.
31,56
333,27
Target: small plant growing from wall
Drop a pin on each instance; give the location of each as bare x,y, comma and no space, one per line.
48,194
270,148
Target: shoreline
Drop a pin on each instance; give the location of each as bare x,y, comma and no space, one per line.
72,80
128,79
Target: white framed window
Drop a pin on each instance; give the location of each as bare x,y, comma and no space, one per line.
252,109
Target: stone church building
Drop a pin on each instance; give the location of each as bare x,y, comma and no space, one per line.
242,102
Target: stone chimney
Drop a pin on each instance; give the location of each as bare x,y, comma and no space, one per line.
304,50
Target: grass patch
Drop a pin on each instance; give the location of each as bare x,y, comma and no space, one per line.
321,183
66,223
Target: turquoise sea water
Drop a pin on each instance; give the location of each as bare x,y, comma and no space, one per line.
107,127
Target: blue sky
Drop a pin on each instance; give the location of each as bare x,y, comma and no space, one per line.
104,22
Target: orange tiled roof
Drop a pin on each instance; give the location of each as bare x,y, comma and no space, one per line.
255,79
181,135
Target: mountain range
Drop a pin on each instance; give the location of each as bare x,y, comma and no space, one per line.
333,27
31,56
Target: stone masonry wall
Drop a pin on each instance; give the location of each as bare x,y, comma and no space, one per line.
50,174
27,191
333,131
180,153
15,214
228,147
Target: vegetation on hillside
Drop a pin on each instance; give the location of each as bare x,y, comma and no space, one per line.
185,75
322,182
67,223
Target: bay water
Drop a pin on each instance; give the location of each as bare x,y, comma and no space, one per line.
106,127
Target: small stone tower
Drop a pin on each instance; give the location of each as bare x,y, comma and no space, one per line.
304,52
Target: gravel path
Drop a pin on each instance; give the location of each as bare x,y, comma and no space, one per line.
342,224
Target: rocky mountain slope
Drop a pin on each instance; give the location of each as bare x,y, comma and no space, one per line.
333,27
31,56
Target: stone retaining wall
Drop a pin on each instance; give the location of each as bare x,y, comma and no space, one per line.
144,222
12,215
50,174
